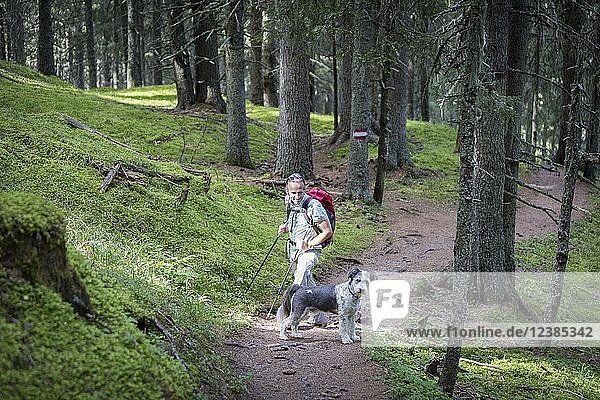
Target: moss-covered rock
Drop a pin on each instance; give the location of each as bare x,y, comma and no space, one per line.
32,247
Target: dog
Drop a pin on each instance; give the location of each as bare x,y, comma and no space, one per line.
343,299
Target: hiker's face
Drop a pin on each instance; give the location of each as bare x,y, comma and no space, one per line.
296,192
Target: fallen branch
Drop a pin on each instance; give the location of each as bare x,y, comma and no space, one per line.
110,176
548,211
169,337
533,188
172,179
76,124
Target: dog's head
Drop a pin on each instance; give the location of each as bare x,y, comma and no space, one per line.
358,280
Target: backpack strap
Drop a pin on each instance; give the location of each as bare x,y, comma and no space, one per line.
309,220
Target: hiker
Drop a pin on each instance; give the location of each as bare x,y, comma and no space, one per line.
304,244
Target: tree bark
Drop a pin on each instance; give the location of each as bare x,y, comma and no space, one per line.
571,17
237,151
424,86
90,46
294,144
255,31
334,77
471,43
134,62
358,160
3,32
398,153
271,96
181,59
410,114
489,149
572,161
342,133
45,53
77,60
208,86
531,136
157,43
518,41
16,31
382,144
590,170
118,46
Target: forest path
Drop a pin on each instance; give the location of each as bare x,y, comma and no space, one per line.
420,238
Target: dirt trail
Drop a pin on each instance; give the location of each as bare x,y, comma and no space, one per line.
420,238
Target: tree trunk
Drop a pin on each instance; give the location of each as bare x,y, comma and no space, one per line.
237,151
134,62
271,71
590,170
424,86
208,86
398,153
471,43
124,40
78,60
16,31
45,53
90,45
181,59
255,31
157,44
572,161
342,133
531,135
382,144
489,149
571,17
106,45
294,144
3,32
334,76
118,46
358,160
518,40
410,113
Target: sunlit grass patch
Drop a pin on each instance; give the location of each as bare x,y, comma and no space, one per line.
160,96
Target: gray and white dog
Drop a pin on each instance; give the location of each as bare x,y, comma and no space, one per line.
343,299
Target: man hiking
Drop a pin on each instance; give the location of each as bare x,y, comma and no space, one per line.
308,227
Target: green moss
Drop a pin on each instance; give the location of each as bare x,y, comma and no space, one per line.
26,214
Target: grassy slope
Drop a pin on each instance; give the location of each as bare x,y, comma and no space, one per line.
143,258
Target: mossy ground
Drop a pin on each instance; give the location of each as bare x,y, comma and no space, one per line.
143,258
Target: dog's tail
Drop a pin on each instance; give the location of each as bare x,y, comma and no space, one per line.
286,303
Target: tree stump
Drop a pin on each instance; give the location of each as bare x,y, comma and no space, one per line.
32,247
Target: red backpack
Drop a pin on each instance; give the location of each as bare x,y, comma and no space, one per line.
326,200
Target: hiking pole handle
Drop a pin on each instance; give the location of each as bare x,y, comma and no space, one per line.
261,265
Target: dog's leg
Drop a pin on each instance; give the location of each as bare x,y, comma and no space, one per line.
295,322
352,330
345,329
283,327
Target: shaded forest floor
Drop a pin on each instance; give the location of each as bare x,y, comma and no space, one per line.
419,237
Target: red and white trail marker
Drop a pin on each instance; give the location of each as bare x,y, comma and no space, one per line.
360,134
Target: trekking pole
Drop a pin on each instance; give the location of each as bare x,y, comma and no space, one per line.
261,265
279,290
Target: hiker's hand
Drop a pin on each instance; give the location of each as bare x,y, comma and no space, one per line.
282,229
304,246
